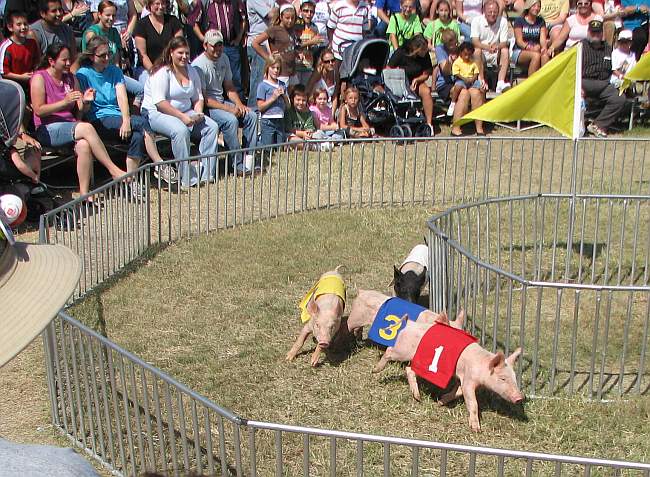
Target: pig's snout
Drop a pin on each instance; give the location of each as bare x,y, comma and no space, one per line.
324,344
518,398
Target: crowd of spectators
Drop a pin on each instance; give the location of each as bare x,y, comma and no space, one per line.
193,69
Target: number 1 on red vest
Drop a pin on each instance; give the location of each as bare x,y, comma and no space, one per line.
433,367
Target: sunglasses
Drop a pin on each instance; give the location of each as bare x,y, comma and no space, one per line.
583,4
308,10
103,55
329,62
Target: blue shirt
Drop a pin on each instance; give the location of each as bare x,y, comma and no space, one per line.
104,83
264,92
389,6
634,21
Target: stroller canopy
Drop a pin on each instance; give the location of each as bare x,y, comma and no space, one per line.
12,107
375,50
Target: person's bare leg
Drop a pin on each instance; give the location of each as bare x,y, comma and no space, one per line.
87,131
427,102
477,98
545,59
504,62
84,165
554,35
33,160
151,148
462,106
131,164
531,59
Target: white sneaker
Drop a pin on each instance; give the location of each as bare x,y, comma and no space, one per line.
326,146
166,173
450,111
502,86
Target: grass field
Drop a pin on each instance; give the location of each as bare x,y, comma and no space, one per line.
218,313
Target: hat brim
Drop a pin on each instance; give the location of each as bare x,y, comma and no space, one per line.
42,280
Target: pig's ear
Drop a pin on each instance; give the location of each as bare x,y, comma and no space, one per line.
312,307
496,361
513,357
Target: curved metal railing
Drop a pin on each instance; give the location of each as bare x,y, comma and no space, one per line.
133,417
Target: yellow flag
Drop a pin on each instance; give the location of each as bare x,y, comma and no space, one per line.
547,97
640,72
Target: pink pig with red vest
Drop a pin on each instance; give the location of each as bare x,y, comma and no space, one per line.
475,367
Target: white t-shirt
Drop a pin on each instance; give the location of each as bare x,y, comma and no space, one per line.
321,15
490,34
578,31
622,61
163,86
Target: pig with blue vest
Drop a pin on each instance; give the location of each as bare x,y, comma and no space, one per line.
439,352
370,306
321,312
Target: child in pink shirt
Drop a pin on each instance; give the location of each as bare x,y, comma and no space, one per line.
323,114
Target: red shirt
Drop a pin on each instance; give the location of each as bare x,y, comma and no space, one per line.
18,59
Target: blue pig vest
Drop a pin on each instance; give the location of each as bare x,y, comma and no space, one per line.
388,321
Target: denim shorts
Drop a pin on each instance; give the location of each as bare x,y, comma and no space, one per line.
476,84
56,134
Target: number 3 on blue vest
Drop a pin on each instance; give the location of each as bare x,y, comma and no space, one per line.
385,329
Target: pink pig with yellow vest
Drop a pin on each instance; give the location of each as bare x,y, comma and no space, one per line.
321,312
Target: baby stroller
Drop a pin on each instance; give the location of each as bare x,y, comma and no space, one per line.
37,197
385,96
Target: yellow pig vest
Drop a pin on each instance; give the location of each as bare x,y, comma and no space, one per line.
326,284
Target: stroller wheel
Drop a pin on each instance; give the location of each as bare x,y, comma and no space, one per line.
408,132
397,131
424,130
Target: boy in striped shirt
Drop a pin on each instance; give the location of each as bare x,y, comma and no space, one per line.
348,21
19,55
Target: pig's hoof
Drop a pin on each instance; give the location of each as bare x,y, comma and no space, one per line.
290,357
476,427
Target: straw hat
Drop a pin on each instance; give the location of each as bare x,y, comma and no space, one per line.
35,282
529,4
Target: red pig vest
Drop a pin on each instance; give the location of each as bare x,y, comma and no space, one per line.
438,352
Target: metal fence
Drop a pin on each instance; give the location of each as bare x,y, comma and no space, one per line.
133,417
564,277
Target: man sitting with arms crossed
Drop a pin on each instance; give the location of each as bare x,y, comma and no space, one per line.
596,71
213,68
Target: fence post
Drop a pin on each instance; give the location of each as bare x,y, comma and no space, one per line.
437,272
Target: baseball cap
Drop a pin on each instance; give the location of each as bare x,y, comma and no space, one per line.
625,35
302,2
595,25
35,282
212,37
